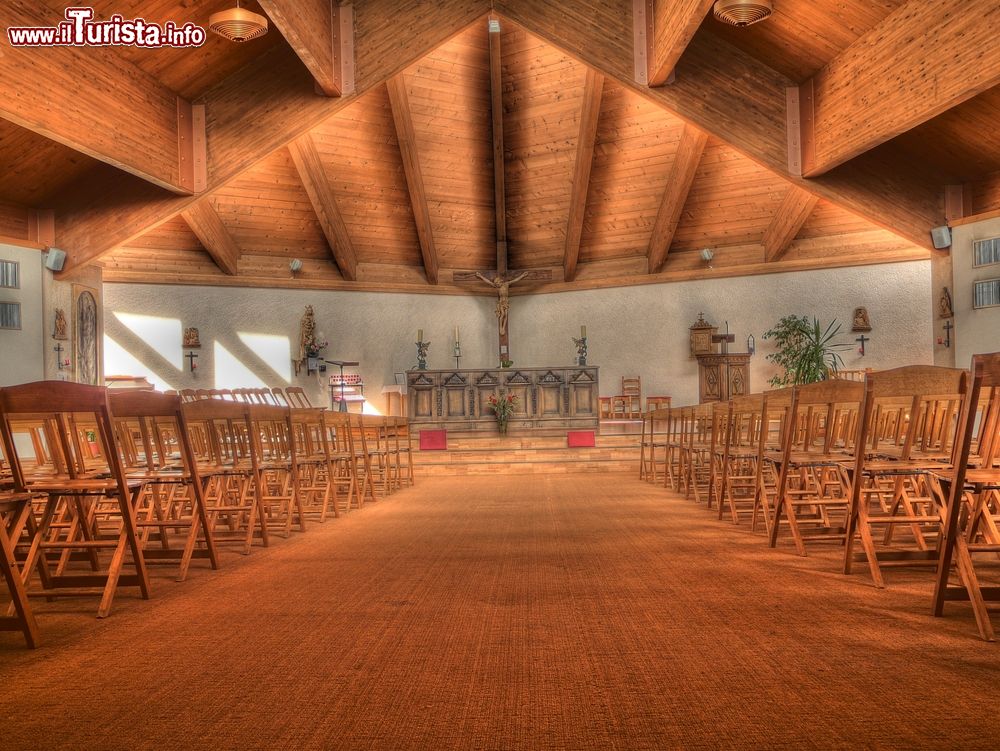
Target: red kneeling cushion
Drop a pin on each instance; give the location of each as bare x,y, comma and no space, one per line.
433,440
580,438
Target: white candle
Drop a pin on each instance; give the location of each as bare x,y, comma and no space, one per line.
583,332
456,333
420,335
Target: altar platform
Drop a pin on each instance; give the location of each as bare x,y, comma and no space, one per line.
550,398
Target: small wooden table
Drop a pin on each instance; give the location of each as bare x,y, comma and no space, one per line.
400,392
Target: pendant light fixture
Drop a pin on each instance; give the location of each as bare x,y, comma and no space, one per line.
742,12
238,24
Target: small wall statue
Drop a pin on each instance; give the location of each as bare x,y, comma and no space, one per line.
861,320
60,330
944,304
192,338
307,334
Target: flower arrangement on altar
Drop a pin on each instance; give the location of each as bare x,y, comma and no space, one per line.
503,407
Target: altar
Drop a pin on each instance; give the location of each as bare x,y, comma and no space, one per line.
558,397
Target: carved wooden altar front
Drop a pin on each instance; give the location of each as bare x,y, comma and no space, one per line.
562,397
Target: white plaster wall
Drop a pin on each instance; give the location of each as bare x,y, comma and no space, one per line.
644,330
376,329
633,330
21,352
976,331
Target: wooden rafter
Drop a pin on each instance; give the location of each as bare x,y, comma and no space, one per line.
496,110
400,104
213,235
739,100
97,103
310,168
686,160
281,103
796,207
322,34
589,116
883,85
671,24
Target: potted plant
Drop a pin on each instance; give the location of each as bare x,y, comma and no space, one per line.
807,352
503,405
95,450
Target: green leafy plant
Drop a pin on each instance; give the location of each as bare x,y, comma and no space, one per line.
806,351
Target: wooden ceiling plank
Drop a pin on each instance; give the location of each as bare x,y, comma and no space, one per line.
795,209
310,169
322,34
207,226
671,25
406,137
923,59
496,114
95,102
589,117
686,160
737,99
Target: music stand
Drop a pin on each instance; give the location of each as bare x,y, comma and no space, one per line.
342,363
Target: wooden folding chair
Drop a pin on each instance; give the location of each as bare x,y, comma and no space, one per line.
738,457
219,433
296,397
346,475
315,463
275,464
971,537
906,440
697,450
90,503
155,448
15,518
810,497
775,407
655,425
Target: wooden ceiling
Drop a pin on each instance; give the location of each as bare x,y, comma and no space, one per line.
604,180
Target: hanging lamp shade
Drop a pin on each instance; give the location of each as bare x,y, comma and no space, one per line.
742,12
238,24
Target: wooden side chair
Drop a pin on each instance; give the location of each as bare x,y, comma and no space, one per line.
655,427
89,515
315,464
739,458
697,449
906,439
275,463
15,518
811,496
630,398
155,447
219,433
971,540
774,421
346,477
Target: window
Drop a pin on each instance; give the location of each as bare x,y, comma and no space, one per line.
10,274
986,294
986,252
10,315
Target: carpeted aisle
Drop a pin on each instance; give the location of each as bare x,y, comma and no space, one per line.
532,612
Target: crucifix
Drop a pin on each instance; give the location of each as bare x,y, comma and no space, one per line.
947,332
58,349
191,356
503,278
861,340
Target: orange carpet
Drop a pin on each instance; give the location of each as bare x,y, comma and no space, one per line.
533,612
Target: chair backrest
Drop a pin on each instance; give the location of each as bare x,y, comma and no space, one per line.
987,438
152,432
823,419
296,397
631,386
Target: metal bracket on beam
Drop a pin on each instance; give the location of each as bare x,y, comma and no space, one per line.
642,16
191,146
343,47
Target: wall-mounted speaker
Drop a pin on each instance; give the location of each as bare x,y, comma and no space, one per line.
55,259
941,237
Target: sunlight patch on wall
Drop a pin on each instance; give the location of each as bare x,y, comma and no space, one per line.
119,361
230,373
163,335
369,409
274,351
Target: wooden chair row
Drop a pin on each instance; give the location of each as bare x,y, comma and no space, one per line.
900,469
96,486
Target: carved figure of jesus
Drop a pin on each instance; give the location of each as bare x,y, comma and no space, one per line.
502,285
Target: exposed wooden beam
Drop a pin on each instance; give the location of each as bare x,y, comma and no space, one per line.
739,100
274,95
496,110
671,24
213,235
399,101
682,172
94,101
313,176
796,207
589,116
322,34
924,58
